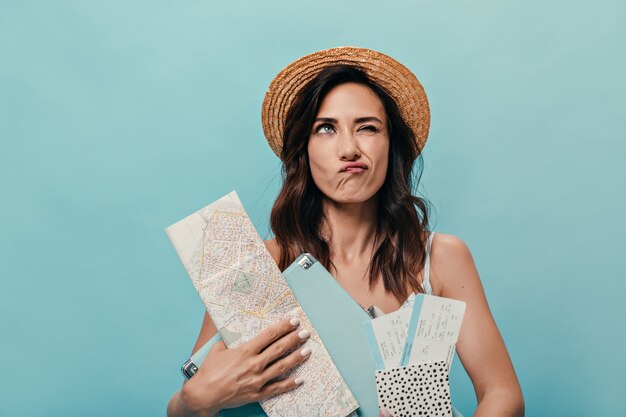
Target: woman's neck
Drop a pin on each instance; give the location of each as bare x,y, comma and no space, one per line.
350,229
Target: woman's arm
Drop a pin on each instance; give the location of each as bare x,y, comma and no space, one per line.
230,378
480,346
177,406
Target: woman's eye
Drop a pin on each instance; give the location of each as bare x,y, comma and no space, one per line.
325,128
370,128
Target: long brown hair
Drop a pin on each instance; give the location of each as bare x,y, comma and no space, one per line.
402,221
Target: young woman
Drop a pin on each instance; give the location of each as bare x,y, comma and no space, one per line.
348,124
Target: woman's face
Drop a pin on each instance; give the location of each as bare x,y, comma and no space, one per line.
349,144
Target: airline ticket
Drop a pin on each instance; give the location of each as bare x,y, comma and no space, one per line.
427,331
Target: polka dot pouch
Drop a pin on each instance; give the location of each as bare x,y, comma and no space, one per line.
420,389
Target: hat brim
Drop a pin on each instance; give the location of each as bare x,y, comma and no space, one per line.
400,83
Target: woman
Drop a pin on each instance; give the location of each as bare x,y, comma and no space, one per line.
356,122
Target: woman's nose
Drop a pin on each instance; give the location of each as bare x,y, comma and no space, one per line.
348,147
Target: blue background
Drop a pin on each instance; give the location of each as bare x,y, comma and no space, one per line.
118,118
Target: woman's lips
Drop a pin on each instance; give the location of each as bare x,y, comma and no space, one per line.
354,169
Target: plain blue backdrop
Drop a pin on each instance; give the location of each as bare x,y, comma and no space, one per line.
118,118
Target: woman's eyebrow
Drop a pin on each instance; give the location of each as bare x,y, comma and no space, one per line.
326,119
357,120
367,119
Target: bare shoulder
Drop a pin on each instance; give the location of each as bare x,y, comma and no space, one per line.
273,249
480,345
453,270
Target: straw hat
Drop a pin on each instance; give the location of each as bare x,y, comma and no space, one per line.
400,83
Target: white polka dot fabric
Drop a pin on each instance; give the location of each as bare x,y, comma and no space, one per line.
420,389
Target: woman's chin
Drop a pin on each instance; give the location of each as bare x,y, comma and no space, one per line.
349,198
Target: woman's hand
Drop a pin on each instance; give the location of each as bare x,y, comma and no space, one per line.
230,378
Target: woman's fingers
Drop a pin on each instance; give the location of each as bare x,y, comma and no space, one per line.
278,387
271,334
287,363
283,345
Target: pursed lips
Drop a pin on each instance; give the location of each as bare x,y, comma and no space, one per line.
354,167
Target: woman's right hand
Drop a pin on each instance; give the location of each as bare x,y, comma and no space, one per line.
230,378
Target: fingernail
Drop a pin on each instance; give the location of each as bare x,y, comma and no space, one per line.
294,321
305,351
299,381
304,334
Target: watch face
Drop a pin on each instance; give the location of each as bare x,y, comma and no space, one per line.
189,369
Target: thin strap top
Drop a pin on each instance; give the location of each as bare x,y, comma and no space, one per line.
428,289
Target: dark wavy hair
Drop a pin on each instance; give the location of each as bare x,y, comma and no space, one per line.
402,222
